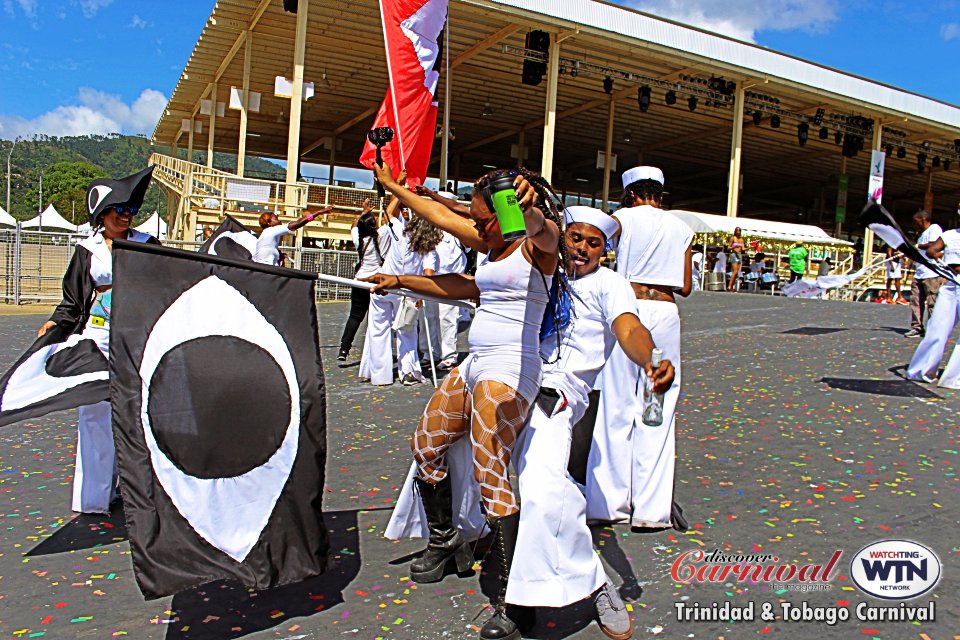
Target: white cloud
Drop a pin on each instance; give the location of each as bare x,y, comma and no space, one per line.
29,7
90,7
97,112
742,19
138,23
949,31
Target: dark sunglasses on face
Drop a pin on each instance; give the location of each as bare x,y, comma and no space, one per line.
131,210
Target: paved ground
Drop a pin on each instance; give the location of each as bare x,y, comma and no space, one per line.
794,438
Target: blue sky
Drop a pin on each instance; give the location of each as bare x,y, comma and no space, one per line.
70,67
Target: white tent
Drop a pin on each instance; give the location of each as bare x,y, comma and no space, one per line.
49,220
752,228
6,219
155,226
84,228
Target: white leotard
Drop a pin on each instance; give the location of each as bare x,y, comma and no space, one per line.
505,334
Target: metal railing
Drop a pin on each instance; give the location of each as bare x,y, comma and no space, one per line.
34,262
209,190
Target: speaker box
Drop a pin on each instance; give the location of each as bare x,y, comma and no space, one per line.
533,70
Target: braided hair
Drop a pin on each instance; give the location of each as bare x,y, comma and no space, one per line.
424,236
642,189
367,228
557,314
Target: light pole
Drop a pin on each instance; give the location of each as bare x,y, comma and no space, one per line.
15,141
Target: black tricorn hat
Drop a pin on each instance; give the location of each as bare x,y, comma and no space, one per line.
104,193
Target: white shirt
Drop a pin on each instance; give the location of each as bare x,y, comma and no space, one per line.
721,264
268,242
600,298
652,246
929,234
696,260
452,254
399,246
370,262
951,246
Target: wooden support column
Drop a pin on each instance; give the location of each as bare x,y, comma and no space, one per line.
868,235
447,91
843,170
333,157
190,141
213,126
296,100
550,117
244,104
608,153
736,150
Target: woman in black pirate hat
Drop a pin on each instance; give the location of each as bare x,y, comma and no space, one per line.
85,309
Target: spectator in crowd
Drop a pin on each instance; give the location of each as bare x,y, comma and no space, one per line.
736,246
926,282
893,276
797,255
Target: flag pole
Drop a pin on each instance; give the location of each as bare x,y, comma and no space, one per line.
360,284
426,324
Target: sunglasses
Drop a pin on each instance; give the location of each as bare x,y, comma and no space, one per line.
131,210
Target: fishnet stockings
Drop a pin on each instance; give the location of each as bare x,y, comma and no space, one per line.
496,416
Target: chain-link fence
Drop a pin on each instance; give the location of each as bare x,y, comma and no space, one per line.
34,262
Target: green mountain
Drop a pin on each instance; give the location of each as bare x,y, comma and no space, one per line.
68,164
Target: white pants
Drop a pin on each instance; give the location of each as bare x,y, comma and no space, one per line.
940,324
94,476
449,319
554,564
376,362
631,465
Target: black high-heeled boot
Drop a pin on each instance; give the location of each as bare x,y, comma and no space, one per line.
445,542
508,622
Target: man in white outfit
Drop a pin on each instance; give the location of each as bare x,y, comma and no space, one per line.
376,363
926,282
630,472
946,312
555,564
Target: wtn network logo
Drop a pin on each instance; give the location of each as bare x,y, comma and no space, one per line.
895,569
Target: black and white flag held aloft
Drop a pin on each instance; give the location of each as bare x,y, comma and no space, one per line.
231,240
58,371
886,228
219,419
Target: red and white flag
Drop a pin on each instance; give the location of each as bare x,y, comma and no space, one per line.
411,29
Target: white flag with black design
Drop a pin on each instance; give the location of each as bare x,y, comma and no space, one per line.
231,240
219,419
58,371
886,228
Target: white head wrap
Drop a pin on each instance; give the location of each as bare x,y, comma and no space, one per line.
588,215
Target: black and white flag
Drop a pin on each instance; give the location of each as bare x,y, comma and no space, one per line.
219,419
58,371
231,240
886,228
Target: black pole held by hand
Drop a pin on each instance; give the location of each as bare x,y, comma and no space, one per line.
380,136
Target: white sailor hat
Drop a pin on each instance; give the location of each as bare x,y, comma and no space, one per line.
588,215
642,173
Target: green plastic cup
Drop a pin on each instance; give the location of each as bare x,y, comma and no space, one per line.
509,213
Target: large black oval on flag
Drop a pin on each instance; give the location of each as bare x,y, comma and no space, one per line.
228,389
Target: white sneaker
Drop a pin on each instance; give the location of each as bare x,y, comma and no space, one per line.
612,614
446,364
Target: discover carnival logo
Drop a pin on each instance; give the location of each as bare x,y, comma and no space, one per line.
721,567
895,569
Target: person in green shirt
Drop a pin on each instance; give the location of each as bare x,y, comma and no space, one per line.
798,261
